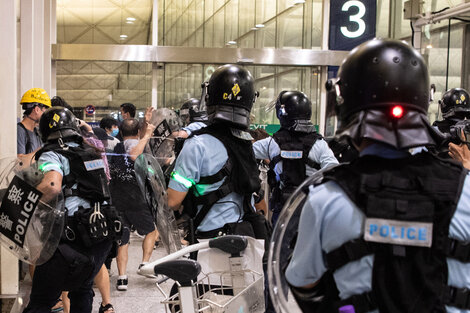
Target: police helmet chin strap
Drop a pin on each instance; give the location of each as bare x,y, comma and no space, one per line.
61,143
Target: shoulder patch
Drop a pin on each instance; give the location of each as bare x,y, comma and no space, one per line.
398,232
94,164
291,154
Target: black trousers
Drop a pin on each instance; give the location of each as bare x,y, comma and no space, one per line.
53,277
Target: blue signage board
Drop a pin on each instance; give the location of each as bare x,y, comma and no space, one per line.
352,22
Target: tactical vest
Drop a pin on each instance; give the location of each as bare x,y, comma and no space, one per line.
295,147
88,226
240,173
408,204
86,170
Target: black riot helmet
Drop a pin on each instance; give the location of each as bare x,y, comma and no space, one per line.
196,113
56,123
230,96
382,94
454,103
184,110
291,107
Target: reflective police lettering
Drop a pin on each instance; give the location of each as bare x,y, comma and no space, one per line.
25,215
94,164
291,154
398,232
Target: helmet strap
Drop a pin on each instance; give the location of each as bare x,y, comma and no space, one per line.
32,119
62,144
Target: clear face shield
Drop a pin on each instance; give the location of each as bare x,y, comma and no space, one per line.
31,223
151,182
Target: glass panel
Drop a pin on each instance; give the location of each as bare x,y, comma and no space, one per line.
437,54
317,27
183,81
247,18
265,10
106,85
383,19
266,85
104,22
208,8
219,27
231,21
247,41
290,28
266,36
437,5
209,33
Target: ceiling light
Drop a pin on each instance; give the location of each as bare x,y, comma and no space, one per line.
133,18
123,36
254,28
429,47
259,25
231,42
129,22
299,1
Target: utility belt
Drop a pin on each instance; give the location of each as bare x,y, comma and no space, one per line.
90,226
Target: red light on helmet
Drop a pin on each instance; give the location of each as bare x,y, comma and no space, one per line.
397,111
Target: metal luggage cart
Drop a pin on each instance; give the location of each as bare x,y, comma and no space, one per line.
235,291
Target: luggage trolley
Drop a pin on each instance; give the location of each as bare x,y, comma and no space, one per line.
234,291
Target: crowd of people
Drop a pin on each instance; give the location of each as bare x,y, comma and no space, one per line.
386,231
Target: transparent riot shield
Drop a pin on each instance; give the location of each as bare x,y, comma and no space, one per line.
152,184
282,245
162,144
31,223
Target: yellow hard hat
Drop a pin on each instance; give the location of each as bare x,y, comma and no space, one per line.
36,95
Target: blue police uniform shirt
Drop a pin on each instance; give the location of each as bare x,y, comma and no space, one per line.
201,156
320,153
329,219
52,161
193,127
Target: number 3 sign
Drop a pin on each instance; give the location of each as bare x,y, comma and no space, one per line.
351,23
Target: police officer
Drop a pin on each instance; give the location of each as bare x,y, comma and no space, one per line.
455,106
197,118
216,165
72,168
392,227
295,151
184,110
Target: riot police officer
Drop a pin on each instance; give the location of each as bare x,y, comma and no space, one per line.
455,106
74,169
295,151
197,118
216,165
391,227
184,111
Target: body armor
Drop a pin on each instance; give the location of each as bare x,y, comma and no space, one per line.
408,204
